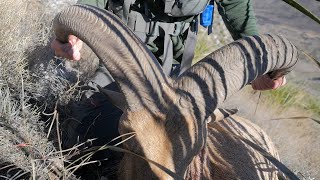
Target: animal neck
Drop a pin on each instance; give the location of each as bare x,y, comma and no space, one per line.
197,168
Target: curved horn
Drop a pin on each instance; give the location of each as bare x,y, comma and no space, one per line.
134,68
230,68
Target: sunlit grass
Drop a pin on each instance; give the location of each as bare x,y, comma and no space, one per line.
286,96
293,96
313,105
206,44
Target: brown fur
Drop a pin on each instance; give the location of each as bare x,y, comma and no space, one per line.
224,156
227,156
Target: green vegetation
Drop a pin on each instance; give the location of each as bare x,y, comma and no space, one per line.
208,43
292,96
285,96
203,46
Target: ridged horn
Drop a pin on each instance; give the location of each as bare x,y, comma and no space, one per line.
135,70
230,68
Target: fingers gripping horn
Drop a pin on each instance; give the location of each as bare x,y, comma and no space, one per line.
134,68
230,68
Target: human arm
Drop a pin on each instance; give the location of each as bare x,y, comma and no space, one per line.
238,17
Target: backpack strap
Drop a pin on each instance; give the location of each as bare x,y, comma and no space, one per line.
126,9
167,57
120,8
145,29
190,45
148,30
141,23
168,6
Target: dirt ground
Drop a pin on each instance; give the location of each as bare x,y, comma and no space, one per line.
297,140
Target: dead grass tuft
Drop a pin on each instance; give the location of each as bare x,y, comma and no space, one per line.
28,73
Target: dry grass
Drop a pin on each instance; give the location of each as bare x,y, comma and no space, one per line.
293,96
24,36
31,83
22,138
208,43
26,59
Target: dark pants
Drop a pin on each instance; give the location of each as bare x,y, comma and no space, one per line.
92,118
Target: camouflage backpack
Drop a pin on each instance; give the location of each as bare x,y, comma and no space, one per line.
167,27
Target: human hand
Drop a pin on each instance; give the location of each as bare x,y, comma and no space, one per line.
264,82
70,50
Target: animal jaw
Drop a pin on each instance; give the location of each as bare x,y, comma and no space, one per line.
157,136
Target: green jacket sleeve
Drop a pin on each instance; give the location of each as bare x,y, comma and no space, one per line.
238,17
98,3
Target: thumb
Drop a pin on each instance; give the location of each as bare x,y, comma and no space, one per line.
72,39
